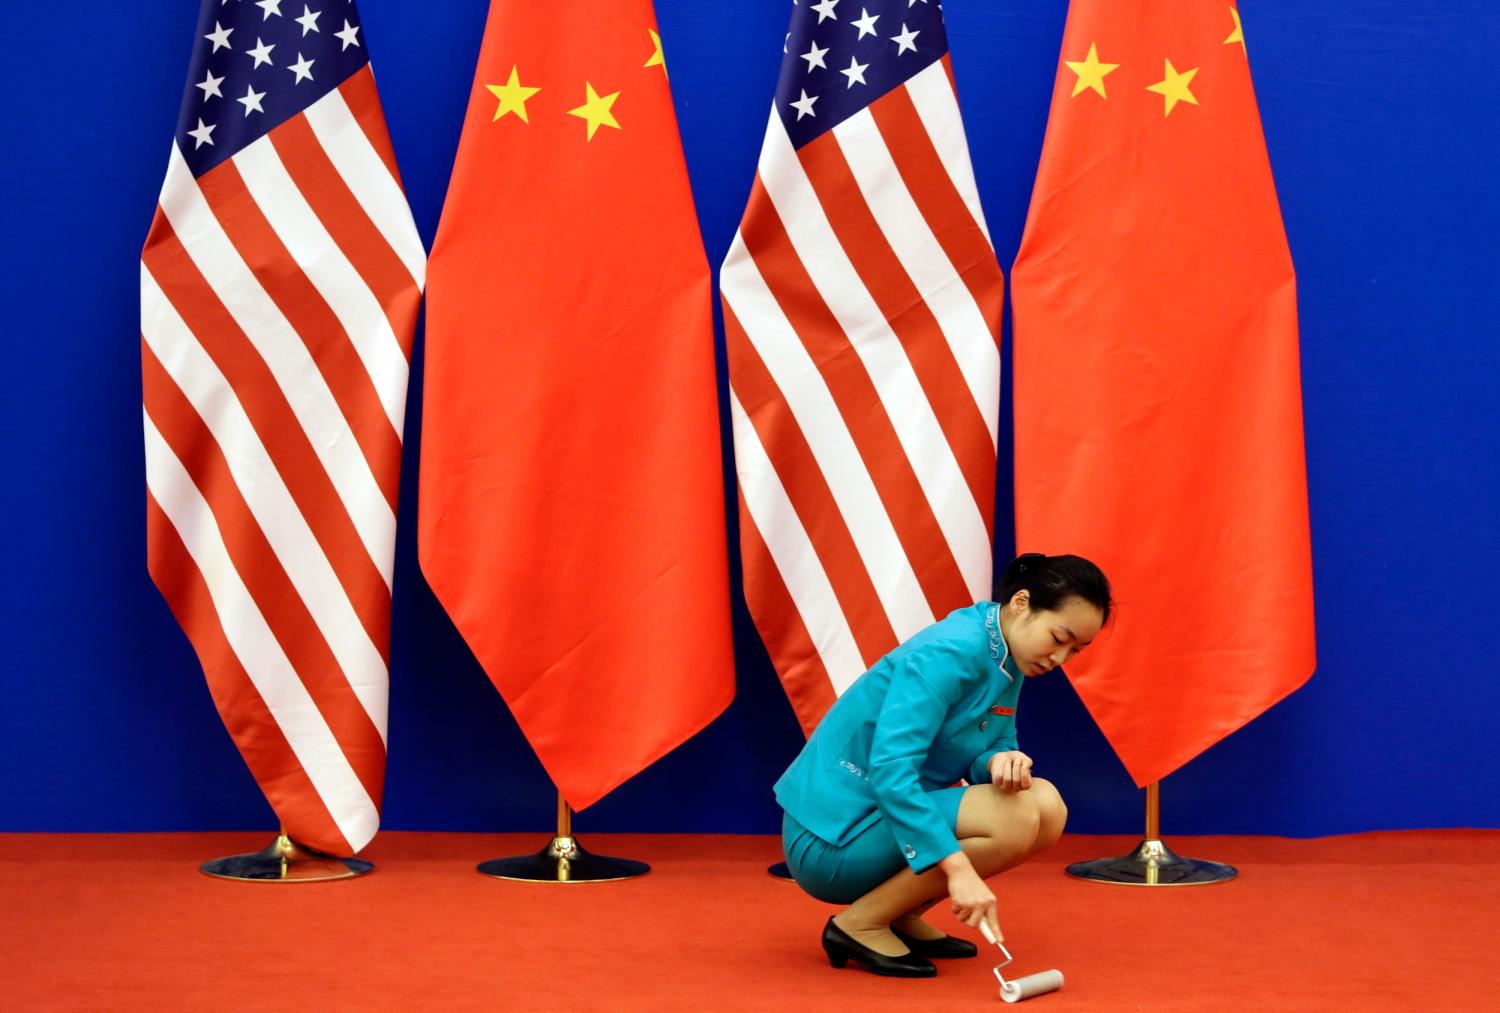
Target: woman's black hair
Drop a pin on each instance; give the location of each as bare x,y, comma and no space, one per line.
1052,580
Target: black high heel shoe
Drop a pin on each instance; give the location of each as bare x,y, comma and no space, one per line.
842,948
938,949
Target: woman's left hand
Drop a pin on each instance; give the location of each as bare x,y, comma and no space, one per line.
1010,771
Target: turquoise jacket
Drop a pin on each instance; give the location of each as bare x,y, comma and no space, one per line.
932,711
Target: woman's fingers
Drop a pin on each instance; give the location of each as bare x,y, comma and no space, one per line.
975,914
1018,772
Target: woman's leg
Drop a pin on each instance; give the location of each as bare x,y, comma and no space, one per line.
1052,816
995,829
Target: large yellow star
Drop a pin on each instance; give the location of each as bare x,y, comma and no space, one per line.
595,110
657,59
512,95
1174,87
1090,72
1238,35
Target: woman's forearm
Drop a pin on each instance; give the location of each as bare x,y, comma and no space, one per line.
956,864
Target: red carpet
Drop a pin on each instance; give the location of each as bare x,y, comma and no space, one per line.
1369,922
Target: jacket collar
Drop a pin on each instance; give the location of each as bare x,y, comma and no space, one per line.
999,649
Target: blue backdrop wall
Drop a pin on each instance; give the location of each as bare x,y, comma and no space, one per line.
1379,118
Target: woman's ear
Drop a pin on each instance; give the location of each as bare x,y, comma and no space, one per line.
1020,601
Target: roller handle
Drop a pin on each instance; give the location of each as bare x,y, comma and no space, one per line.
989,934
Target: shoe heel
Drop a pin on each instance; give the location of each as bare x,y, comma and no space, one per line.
836,958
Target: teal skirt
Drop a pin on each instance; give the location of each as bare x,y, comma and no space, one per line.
841,874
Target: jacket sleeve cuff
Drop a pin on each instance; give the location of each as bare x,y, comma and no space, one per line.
979,770
927,851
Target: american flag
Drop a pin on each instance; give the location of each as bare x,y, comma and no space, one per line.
279,291
861,310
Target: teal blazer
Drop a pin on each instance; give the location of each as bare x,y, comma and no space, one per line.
932,711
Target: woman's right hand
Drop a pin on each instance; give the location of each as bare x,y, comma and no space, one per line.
973,901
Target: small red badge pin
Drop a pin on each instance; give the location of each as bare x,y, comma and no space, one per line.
1004,712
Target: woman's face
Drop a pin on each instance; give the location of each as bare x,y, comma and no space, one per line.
1039,641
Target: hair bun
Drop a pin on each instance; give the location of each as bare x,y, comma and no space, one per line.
1051,580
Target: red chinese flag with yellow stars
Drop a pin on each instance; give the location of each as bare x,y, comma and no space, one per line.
571,502
1158,414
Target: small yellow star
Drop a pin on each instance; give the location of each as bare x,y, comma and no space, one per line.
1090,72
595,110
1238,35
1174,87
657,59
512,95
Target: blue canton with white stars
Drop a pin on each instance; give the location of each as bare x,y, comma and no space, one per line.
258,63
842,55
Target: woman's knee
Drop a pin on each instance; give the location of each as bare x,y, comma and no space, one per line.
1006,817
1052,812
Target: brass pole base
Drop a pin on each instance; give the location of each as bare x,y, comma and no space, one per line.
780,871
563,861
285,861
1152,863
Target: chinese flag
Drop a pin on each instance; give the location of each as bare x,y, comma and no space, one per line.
571,496
1158,416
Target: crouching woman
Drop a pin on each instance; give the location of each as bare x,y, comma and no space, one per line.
872,817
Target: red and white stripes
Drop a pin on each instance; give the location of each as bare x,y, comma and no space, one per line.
862,306
279,293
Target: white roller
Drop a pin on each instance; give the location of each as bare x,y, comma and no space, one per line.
1026,986
1032,984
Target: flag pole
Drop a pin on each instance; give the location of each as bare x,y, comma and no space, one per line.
1152,863
564,860
285,861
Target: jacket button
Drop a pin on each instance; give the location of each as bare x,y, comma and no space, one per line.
909,851
983,725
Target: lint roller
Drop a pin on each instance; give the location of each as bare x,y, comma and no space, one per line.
1024,987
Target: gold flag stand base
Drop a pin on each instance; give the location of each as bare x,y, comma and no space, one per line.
1152,863
564,860
285,861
